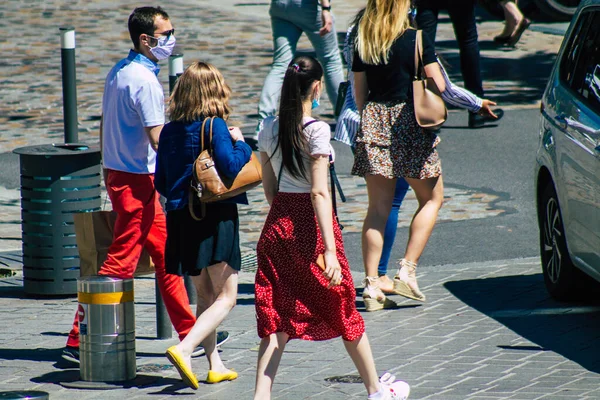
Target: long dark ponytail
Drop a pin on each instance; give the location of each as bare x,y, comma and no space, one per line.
302,72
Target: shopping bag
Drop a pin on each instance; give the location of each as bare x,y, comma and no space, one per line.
94,235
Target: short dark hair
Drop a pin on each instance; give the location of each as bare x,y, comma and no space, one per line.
141,21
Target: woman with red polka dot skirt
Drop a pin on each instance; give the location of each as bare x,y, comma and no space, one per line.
303,286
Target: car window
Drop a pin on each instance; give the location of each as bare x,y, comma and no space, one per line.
580,67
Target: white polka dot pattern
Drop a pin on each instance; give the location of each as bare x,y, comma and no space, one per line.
291,291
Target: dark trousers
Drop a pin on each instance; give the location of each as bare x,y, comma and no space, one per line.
462,15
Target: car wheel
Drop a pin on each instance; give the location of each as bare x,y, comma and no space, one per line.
561,277
559,10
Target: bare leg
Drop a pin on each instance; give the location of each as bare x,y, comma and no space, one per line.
430,195
381,194
360,352
512,17
223,280
269,356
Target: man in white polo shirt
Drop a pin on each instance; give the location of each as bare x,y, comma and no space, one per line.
132,119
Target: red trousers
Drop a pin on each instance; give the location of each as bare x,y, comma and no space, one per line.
140,224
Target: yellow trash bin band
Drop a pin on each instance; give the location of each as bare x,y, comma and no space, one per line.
105,298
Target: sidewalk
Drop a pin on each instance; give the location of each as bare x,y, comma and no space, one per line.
487,331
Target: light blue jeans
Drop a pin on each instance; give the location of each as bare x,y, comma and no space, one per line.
289,19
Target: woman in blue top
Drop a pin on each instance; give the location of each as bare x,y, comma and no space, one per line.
208,249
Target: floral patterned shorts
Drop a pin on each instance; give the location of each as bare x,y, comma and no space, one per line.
390,143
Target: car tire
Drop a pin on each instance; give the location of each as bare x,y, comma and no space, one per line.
563,280
558,10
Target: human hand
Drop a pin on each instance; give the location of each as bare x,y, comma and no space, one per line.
486,108
327,23
333,270
236,133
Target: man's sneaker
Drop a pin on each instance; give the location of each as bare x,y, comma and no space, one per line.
393,389
222,337
71,354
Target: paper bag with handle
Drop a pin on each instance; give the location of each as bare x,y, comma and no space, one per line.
94,235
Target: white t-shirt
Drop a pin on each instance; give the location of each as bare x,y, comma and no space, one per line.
318,135
133,99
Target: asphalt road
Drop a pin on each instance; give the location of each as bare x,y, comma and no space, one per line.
497,159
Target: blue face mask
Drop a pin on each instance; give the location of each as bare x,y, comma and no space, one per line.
315,103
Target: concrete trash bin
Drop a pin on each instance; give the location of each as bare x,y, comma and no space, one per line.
57,180
106,329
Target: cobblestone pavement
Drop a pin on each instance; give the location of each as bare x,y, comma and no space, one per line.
487,331
235,35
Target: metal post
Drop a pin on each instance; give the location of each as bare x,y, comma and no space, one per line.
175,69
163,322
69,86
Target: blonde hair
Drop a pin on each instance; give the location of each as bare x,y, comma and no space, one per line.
199,92
382,23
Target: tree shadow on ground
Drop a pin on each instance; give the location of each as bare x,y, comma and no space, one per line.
521,303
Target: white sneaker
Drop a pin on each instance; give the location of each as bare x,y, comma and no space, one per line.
393,389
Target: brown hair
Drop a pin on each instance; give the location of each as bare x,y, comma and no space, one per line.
200,92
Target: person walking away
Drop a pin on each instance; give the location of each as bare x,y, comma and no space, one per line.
349,123
289,19
207,249
462,15
390,143
303,284
515,24
132,118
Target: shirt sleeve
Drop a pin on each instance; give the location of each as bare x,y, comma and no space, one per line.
229,157
265,135
429,56
319,138
459,97
150,104
357,64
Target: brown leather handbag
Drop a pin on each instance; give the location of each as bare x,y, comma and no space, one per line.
209,186
430,109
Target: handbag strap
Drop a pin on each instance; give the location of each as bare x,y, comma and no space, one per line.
210,134
418,54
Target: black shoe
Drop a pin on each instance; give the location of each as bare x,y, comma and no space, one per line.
477,121
71,354
222,337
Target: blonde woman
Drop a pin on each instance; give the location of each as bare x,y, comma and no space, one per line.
209,249
390,143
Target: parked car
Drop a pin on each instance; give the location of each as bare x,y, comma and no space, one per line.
567,175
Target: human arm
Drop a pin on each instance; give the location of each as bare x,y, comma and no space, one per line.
230,152
104,170
153,133
269,180
326,18
457,96
160,180
430,61
361,90
321,201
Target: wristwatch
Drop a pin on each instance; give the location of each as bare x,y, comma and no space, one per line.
324,8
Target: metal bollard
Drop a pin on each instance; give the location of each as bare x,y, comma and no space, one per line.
69,86
106,329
